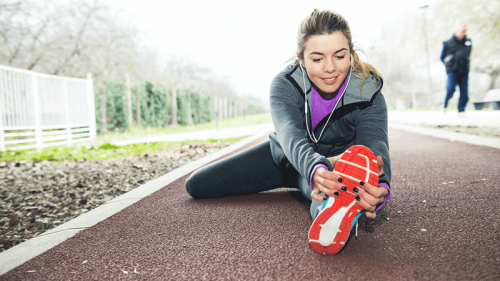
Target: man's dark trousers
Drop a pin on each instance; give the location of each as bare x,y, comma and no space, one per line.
462,80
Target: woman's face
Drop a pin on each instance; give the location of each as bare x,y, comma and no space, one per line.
327,60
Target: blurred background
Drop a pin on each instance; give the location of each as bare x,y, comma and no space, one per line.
182,62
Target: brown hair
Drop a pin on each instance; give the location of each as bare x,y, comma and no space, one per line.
328,22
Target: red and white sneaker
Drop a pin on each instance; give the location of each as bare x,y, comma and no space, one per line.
330,230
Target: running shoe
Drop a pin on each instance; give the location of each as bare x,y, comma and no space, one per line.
330,230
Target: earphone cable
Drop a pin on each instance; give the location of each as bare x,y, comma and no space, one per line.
311,134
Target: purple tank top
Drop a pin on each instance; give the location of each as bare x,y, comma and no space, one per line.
322,107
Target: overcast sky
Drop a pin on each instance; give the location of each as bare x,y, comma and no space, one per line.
249,42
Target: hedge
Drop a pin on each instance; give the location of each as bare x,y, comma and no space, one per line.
155,105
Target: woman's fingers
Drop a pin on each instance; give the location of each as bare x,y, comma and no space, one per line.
327,191
375,191
334,159
370,215
329,176
365,202
315,195
327,182
369,197
380,163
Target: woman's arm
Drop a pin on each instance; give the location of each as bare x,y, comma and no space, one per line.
287,111
372,132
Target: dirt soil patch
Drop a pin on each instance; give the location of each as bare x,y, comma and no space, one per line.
35,197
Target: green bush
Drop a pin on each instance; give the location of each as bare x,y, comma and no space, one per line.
253,110
155,104
199,105
183,101
201,109
115,95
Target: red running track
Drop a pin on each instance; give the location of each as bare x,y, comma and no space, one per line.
170,236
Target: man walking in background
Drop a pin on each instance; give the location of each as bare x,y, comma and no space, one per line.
456,58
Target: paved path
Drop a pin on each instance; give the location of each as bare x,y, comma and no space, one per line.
404,120
490,118
412,120
442,223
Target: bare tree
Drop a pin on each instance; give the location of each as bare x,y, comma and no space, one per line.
75,37
66,38
482,18
400,53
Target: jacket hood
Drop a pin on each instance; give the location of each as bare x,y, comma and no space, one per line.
352,92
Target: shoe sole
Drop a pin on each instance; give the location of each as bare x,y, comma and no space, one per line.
330,230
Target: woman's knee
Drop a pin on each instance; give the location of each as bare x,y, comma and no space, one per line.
193,185
304,187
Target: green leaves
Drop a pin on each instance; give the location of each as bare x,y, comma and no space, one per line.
106,151
155,106
108,146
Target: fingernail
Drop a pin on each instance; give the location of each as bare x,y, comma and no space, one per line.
336,193
357,198
339,179
325,198
362,183
356,189
344,188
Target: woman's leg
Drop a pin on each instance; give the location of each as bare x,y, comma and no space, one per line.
305,189
250,171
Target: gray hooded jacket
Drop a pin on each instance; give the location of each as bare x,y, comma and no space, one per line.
358,118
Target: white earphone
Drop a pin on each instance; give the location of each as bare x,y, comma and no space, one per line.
312,136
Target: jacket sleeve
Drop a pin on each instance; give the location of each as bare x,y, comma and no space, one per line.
287,111
443,52
372,132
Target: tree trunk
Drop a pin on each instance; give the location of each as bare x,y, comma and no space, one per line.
129,98
78,39
103,111
137,108
152,108
189,108
414,99
216,111
34,62
174,107
226,108
222,108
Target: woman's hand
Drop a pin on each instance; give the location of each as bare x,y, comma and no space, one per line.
370,197
327,182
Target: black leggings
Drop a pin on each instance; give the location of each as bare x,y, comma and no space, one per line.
249,171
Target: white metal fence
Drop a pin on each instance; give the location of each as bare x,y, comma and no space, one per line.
40,110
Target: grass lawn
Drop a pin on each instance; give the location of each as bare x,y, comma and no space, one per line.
103,152
101,149
135,132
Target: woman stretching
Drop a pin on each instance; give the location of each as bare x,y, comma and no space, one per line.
331,120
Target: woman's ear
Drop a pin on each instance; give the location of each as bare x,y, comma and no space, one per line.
300,60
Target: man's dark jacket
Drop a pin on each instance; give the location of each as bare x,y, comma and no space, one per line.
456,54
